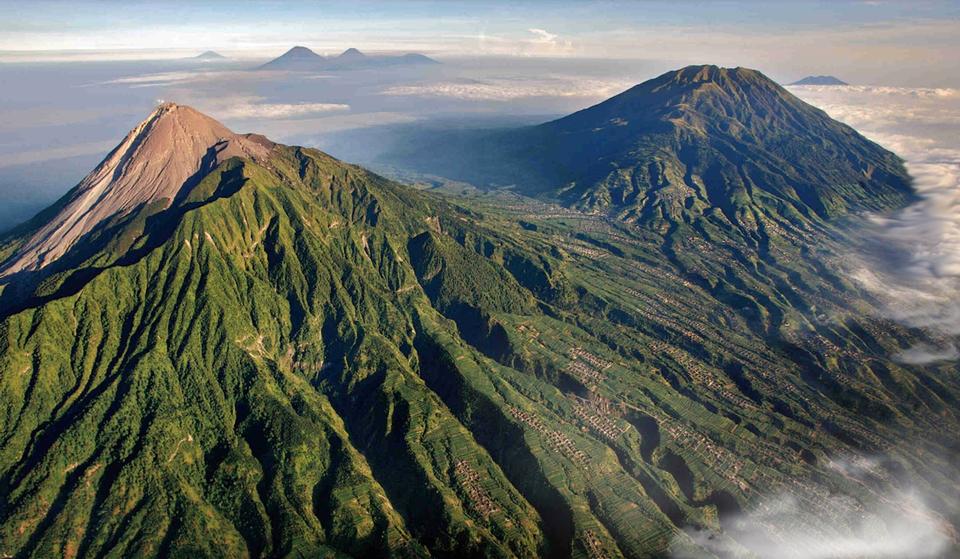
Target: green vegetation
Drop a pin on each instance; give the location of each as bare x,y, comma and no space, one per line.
698,145
302,359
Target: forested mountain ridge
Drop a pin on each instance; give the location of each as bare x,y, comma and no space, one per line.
293,356
726,145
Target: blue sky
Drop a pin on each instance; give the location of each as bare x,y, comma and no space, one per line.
637,29
869,41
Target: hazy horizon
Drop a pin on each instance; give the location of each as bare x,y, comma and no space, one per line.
868,41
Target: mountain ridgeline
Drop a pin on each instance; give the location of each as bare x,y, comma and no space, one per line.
220,346
819,80
302,59
156,164
241,364
683,146
209,56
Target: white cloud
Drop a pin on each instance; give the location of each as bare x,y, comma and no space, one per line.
804,520
911,258
160,79
545,42
543,36
542,43
884,110
305,131
242,108
156,79
506,89
781,528
922,354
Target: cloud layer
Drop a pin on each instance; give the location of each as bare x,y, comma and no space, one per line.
804,520
160,79
781,528
911,259
509,89
240,108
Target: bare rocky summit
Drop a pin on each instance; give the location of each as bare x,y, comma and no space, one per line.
158,161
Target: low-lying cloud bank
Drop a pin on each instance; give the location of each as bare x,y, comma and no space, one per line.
254,107
509,89
781,528
925,353
806,521
163,79
251,107
912,257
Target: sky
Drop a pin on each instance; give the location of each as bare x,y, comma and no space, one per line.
76,76
870,41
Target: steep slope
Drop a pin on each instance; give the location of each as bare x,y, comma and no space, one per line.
681,146
247,373
296,357
157,163
720,138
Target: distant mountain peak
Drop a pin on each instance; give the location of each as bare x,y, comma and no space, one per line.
302,59
300,51
417,58
352,53
820,80
297,58
155,164
209,55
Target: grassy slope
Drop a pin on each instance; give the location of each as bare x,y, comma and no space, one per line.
312,360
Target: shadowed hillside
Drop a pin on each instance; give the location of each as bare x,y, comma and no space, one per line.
726,145
287,355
